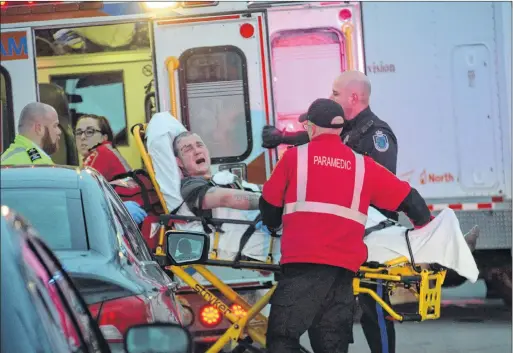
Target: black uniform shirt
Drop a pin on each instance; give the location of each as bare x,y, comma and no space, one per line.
369,135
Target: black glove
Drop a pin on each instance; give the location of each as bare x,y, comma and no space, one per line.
272,137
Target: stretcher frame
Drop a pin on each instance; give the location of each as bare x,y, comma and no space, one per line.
251,328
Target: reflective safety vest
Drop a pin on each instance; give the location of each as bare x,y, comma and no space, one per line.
325,190
302,205
24,151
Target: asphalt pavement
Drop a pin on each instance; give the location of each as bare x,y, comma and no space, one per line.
463,328
469,323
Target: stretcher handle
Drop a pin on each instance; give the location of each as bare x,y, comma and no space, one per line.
214,221
411,317
413,265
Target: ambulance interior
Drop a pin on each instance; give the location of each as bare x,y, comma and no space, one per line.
104,70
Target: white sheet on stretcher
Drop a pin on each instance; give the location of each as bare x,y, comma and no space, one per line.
441,241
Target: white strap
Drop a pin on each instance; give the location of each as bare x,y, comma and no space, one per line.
302,172
326,208
358,180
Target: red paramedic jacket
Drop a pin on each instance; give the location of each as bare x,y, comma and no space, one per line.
325,190
107,161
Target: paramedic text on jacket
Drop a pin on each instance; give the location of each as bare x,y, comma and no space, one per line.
323,227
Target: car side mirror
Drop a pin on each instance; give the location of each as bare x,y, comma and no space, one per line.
187,248
159,337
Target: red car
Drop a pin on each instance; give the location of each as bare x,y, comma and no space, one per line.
87,226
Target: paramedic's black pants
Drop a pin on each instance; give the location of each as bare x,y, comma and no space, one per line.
379,332
314,298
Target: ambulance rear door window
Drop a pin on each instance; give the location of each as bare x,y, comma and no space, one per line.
6,110
304,64
215,100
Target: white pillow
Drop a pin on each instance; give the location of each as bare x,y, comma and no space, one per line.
160,134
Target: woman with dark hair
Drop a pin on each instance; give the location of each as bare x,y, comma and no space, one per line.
95,142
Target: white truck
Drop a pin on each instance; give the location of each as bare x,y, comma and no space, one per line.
440,74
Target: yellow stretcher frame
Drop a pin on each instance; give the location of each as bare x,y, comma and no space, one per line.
425,284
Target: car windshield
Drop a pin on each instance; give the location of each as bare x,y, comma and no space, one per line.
56,214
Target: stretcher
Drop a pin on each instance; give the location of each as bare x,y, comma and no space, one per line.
249,328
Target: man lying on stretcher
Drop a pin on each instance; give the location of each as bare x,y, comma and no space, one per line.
440,241
214,197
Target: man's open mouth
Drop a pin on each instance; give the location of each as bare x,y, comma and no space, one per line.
201,160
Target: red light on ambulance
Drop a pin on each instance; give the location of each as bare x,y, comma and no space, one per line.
345,14
247,30
2,3
210,316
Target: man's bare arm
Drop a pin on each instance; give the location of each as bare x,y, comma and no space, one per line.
230,198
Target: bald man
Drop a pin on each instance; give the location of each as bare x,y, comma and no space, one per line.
366,134
38,136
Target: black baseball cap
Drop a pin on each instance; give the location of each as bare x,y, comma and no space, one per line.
322,112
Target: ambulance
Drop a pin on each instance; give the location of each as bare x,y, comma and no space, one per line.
440,75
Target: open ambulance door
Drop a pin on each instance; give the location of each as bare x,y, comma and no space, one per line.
310,45
17,80
212,74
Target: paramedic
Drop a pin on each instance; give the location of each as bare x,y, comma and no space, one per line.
323,227
365,133
38,136
95,142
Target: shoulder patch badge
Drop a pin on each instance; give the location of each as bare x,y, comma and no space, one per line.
33,154
380,141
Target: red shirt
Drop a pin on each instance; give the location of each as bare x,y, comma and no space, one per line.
107,161
326,190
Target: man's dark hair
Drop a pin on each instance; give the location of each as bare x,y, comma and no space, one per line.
177,140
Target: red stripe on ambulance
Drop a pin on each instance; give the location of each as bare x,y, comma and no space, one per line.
465,206
264,78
